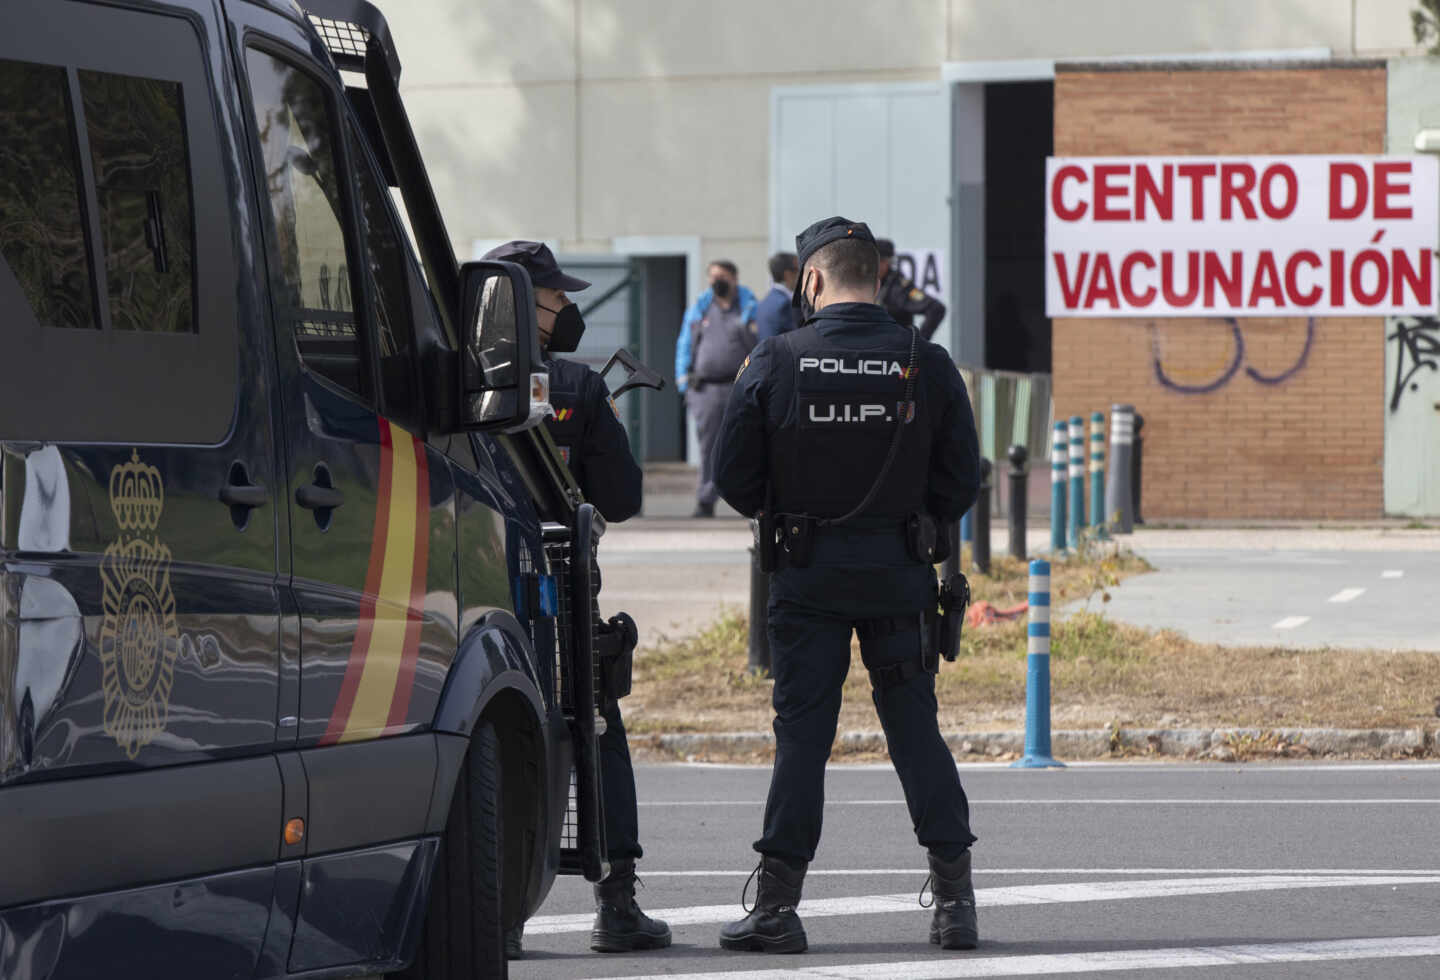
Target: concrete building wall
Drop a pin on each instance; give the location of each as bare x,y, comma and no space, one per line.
1298,431
577,121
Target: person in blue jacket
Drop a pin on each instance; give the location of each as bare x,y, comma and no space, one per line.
777,314
715,336
593,442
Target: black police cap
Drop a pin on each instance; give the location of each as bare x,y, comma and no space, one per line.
885,247
822,233
540,262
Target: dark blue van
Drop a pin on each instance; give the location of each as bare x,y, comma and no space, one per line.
288,569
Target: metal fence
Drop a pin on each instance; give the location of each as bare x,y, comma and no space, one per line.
1010,408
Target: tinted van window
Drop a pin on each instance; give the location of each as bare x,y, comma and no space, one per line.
297,149
42,225
136,128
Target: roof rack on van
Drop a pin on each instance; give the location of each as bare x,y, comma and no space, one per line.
346,27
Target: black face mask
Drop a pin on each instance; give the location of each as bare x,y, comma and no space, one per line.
721,288
569,328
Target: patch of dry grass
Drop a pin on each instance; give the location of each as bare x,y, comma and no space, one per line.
1103,673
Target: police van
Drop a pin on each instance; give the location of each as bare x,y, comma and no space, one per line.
297,626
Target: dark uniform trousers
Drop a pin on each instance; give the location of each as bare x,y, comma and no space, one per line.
617,787
863,581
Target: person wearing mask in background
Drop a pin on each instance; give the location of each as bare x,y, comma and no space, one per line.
594,445
715,337
904,300
777,314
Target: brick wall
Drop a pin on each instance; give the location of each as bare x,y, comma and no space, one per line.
1307,442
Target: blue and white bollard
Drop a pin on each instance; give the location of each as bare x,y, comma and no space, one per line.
1097,473
1119,502
1077,479
1037,674
1057,489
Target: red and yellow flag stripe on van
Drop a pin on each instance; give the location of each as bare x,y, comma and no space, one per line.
375,694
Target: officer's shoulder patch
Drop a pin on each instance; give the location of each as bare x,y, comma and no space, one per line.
916,293
743,365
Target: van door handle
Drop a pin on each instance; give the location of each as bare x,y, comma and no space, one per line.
247,496
316,497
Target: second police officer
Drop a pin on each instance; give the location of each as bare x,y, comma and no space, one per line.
904,300
591,439
855,438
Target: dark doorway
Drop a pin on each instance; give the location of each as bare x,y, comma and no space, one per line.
1019,135
664,308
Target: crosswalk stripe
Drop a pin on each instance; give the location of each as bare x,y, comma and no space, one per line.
1045,894
1128,872
1103,801
1346,595
1050,964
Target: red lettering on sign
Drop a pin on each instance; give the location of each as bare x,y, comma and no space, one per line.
1286,174
1231,285
1370,297
1163,197
1192,279
1417,278
1292,278
1057,188
1098,290
1237,183
1337,277
1385,187
1266,284
1070,291
1105,190
1196,174
1355,174
1127,270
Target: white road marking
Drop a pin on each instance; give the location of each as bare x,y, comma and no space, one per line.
1046,894
1290,622
848,872
1049,964
1137,766
1116,801
1393,573
1346,595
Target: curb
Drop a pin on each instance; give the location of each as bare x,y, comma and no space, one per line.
1200,744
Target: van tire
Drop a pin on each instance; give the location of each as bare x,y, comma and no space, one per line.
464,937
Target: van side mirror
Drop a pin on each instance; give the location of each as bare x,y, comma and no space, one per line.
503,382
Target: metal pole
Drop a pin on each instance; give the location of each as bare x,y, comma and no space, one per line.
1077,479
1037,674
759,617
1135,470
1057,489
1119,504
1097,473
1019,498
980,547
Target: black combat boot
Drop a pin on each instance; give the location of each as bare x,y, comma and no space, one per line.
620,926
772,925
954,925
514,942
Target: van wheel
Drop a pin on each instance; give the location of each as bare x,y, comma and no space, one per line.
463,936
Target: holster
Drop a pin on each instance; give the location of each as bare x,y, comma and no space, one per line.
948,617
797,533
615,643
765,546
923,539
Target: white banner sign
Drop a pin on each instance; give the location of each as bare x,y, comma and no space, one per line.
1241,236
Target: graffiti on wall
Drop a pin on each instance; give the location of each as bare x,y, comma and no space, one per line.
1417,346
1227,370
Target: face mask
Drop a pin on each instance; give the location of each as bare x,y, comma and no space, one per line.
807,308
569,328
721,288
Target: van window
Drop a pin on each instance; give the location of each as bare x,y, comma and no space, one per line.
385,266
136,129
42,225
296,128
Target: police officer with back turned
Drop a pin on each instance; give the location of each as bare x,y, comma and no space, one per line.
851,439
593,442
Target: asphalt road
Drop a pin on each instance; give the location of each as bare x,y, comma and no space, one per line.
1100,870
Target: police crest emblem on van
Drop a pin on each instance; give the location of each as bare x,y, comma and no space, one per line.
139,640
